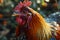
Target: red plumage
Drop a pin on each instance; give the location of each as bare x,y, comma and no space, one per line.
21,19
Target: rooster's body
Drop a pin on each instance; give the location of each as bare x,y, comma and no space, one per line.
31,23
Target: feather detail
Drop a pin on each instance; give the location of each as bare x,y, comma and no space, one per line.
39,28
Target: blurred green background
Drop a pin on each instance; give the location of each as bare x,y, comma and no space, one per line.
44,7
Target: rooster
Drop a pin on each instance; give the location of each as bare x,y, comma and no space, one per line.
31,23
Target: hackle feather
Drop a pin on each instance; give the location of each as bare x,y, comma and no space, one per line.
39,27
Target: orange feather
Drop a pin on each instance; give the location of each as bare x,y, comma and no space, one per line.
39,29
58,33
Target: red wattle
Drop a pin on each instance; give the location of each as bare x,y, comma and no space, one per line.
20,21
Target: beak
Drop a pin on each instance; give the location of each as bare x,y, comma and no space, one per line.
15,14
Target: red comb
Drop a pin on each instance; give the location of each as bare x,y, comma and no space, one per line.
22,4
